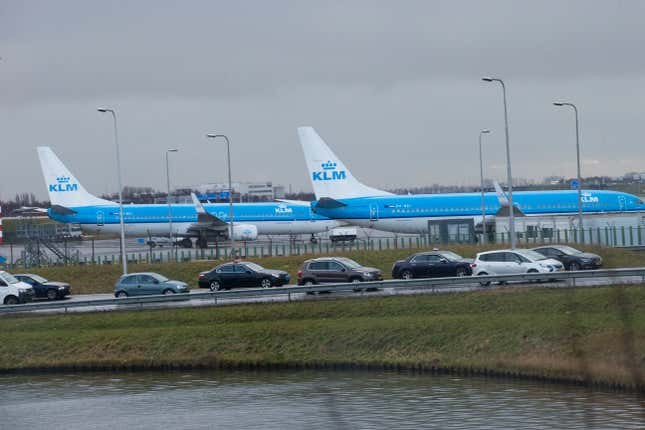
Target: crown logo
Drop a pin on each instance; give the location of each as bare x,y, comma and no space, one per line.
62,179
328,165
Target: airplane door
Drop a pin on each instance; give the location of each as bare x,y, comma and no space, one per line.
621,203
373,212
99,219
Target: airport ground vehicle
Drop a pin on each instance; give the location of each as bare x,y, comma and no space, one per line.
13,291
432,264
571,258
147,283
343,234
52,290
335,269
242,274
513,261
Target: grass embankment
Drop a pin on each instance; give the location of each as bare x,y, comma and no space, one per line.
101,278
593,335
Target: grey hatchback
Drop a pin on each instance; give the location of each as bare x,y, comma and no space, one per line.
147,283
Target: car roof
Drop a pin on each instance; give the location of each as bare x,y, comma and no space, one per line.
142,273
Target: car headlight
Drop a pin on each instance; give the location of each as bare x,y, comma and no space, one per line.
368,274
275,276
61,288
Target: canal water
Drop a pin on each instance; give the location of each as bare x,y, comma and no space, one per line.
305,400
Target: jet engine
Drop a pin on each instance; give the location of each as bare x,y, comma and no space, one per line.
244,232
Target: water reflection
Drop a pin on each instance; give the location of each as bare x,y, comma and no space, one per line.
304,399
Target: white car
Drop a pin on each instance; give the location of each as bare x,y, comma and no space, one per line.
512,262
13,291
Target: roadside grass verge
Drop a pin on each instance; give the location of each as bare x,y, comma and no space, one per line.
101,278
583,335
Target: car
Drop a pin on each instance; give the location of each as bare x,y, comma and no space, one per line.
431,264
148,283
571,258
52,290
242,274
13,291
335,269
513,261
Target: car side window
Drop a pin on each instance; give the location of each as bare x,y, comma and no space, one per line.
318,265
2,283
420,259
146,279
241,268
333,265
226,269
130,280
434,259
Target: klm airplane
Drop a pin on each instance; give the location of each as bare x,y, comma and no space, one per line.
340,196
71,203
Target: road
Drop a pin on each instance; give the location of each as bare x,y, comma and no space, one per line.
197,298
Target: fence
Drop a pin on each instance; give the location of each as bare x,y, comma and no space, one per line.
623,236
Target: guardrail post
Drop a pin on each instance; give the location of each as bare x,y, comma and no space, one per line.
638,230
622,235
606,236
566,235
631,236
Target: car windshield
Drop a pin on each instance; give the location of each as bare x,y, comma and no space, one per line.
349,263
38,279
8,278
159,277
254,266
531,255
449,255
568,250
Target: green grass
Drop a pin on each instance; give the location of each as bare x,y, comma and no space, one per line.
576,335
101,278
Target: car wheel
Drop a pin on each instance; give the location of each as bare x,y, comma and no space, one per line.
266,283
407,274
167,292
460,272
215,286
11,300
121,294
483,283
574,266
534,271
52,294
309,283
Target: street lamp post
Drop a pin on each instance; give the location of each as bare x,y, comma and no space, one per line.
575,110
509,176
168,151
481,179
230,189
124,259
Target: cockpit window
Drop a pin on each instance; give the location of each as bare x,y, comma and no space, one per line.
639,202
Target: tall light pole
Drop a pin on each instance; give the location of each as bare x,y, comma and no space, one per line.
124,259
481,179
575,110
230,189
509,175
168,151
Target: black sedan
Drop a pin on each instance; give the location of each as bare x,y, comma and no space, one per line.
432,264
571,258
52,290
242,275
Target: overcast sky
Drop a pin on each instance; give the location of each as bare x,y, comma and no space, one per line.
393,87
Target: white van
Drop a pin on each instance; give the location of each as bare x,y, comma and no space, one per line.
13,291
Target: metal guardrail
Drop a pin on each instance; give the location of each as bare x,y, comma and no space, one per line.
425,283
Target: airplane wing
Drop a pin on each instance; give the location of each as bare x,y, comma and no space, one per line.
504,210
206,220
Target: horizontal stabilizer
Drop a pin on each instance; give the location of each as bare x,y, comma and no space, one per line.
329,203
62,210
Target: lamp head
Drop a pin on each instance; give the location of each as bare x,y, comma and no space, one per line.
485,131
487,79
558,103
172,150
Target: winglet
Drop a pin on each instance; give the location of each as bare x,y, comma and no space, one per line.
202,215
501,195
